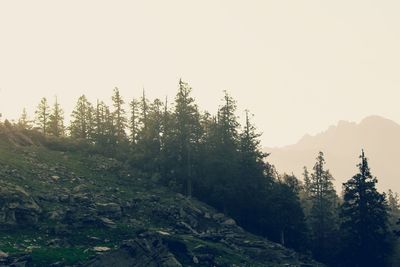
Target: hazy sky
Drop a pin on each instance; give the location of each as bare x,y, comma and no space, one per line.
299,66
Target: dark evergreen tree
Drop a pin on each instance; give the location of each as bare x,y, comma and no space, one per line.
187,135
100,131
305,193
292,182
323,218
250,179
288,225
42,116
364,217
393,224
393,202
147,148
168,158
226,153
23,121
134,121
119,116
252,158
143,111
56,120
82,119
109,128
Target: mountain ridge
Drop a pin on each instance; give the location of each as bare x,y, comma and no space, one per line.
342,144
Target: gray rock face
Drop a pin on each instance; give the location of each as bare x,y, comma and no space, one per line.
147,250
110,210
17,207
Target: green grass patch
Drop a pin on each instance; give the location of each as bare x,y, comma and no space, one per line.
46,256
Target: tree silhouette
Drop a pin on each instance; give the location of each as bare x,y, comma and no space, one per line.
364,220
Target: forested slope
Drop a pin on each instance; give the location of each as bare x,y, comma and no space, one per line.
64,205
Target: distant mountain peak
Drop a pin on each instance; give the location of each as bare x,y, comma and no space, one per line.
375,119
342,144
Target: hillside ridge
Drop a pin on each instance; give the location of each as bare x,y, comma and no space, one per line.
65,207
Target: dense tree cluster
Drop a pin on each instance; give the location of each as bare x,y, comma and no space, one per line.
215,159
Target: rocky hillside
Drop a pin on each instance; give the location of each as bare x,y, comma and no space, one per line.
64,207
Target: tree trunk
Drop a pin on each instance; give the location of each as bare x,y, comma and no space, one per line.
282,237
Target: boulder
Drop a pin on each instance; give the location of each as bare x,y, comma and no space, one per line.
147,250
229,222
55,178
219,216
101,249
17,206
107,222
111,210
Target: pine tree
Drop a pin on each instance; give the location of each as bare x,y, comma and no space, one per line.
364,220
143,110
307,180
133,122
155,132
229,121
139,152
99,124
187,134
243,179
147,148
168,157
56,120
109,128
323,217
42,116
119,116
394,214
252,158
225,163
292,182
289,225
305,193
393,201
82,119
251,161
23,121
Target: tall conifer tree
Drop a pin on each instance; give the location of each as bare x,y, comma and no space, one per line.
82,119
323,216
42,116
187,133
24,121
56,120
134,121
364,217
119,116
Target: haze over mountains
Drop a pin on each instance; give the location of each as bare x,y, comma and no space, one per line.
342,144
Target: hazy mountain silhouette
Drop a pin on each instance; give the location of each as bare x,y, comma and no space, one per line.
342,144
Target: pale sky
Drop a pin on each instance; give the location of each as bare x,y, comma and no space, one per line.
299,66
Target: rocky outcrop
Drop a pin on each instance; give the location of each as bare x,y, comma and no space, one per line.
110,210
146,250
17,207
